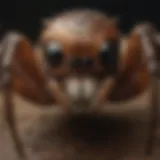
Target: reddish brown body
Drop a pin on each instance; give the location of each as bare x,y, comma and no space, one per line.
133,81
94,30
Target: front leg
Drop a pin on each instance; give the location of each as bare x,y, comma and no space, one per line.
8,44
10,119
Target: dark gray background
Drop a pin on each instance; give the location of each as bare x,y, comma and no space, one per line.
25,15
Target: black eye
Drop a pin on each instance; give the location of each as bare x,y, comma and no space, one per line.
54,55
104,54
109,55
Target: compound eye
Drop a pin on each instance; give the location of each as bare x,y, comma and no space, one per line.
103,54
54,55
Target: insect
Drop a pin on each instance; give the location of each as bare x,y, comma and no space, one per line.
92,52
87,63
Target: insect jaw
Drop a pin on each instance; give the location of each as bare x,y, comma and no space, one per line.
80,89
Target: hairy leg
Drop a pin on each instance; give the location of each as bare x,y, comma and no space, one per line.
11,122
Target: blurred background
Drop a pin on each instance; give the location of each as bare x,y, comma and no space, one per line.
26,15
